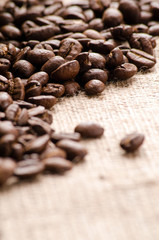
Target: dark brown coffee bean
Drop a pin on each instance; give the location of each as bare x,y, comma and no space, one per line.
7,51
130,9
99,5
141,59
17,151
33,88
97,60
132,142
112,17
140,28
145,17
23,69
89,130
93,34
52,64
142,42
7,166
155,9
39,126
24,104
74,25
37,145
96,24
94,87
5,100
125,71
72,88
95,73
55,137
5,18
4,65
122,32
69,49
41,33
6,142
57,165
83,59
47,101
39,56
16,89
100,46
115,58
41,77
75,151
11,32
3,83
28,168
53,89
23,117
66,71
154,30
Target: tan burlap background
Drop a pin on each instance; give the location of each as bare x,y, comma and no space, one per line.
111,195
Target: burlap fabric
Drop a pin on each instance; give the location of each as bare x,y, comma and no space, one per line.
111,195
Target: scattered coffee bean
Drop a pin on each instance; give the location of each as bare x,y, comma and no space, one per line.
57,164
94,87
132,142
89,130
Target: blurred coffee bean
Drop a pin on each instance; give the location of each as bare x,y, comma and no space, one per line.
57,165
89,130
130,9
112,17
55,137
47,101
5,100
3,83
7,167
132,142
37,145
10,32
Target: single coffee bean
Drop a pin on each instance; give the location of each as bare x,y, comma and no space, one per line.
16,89
140,58
99,5
93,34
41,33
97,60
72,88
39,126
132,142
130,9
96,24
10,32
3,83
95,73
5,18
17,151
75,151
7,167
28,168
57,165
112,17
53,89
4,65
41,77
142,42
154,30
69,49
23,69
33,88
66,71
125,71
55,137
7,51
122,32
37,145
52,64
24,104
7,127
47,101
23,117
74,25
94,87
89,15
22,54
39,56
52,151
12,112
89,130
84,62
115,58
5,100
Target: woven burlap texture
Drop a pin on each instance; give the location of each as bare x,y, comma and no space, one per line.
109,196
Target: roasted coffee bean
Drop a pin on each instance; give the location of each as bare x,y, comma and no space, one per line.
23,69
17,151
4,65
122,32
89,15
5,18
99,5
97,60
130,9
89,130
154,30
155,9
51,151
12,112
5,100
10,32
96,24
39,56
74,25
6,142
75,151
66,71
57,165
93,34
39,126
3,83
142,42
33,88
94,87
141,59
41,77
16,89
112,17
132,142
145,17
52,64
140,28
41,113
69,49
37,145
95,73
84,62
115,58
125,71
47,101
55,137
24,104
28,168
7,127
7,167
72,88
7,51
53,89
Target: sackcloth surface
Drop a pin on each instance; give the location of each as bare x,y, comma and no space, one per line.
111,195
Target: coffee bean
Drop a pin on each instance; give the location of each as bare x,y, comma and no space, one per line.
10,32
74,25
4,65
55,137
97,60
12,112
99,5
5,100
125,71
141,59
37,145
7,166
47,101
41,77
93,34
39,56
132,142
53,89
28,168
96,24
39,126
52,64
112,17
89,130
3,83
33,88
115,58
154,30
95,73
130,9
57,165
52,152
75,151
94,87
122,32
17,151
7,127
66,71
23,69
5,18
72,88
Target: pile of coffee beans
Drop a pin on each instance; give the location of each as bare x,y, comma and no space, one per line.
49,50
